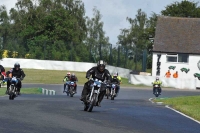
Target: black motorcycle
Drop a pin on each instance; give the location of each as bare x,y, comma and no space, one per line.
71,90
157,90
92,97
12,91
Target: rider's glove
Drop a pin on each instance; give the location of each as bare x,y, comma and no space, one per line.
108,82
87,77
21,79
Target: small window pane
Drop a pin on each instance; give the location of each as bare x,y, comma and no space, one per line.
183,58
171,59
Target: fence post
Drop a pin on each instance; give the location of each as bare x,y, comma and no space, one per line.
110,54
118,58
144,60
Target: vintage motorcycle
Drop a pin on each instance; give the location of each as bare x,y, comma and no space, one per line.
92,97
71,89
113,90
12,92
157,90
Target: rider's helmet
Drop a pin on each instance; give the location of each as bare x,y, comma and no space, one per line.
117,73
68,74
157,78
16,65
115,76
73,75
101,65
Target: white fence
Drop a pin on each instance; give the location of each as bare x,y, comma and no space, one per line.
60,65
179,83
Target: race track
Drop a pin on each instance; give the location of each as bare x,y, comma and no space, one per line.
130,112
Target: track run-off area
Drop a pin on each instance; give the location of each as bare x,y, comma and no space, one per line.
130,112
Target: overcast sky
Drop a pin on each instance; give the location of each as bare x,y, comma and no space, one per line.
114,12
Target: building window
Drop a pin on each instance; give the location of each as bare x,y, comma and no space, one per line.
172,57
183,58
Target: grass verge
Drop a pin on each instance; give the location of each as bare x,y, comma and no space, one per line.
24,91
56,77
189,105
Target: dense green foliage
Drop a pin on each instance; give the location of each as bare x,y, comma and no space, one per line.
59,30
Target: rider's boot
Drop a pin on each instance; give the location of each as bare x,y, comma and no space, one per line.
83,98
6,91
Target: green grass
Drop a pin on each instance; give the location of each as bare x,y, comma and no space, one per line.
189,105
56,77
24,91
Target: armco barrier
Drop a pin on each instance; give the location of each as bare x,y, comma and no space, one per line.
178,83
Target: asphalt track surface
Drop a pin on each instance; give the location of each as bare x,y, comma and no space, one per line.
130,112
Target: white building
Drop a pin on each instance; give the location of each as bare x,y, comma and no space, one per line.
176,46
177,41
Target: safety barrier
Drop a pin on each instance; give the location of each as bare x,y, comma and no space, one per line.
178,83
60,65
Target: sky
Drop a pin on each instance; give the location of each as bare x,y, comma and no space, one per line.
115,12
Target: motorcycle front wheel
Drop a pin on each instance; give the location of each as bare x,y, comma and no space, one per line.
92,102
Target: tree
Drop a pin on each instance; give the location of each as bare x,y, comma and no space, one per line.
182,9
47,29
96,40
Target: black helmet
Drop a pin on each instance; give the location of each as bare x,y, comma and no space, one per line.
16,65
101,65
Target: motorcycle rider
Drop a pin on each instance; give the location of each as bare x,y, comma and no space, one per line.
119,78
157,82
66,80
98,72
115,81
18,73
3,74
74,79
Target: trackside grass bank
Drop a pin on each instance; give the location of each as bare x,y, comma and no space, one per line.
56,77
24,91
189,105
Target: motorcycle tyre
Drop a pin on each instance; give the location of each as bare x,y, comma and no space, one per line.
92,103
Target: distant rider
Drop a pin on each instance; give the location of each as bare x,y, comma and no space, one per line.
3,74
99,72
157,82
115,81
66,80
75,80
119,78
18,73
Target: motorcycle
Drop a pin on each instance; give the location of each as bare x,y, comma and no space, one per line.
12,92
92,97
112,93
107,95
71,90
156,90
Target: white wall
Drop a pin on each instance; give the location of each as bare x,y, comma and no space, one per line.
192,65
167,82
60,65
